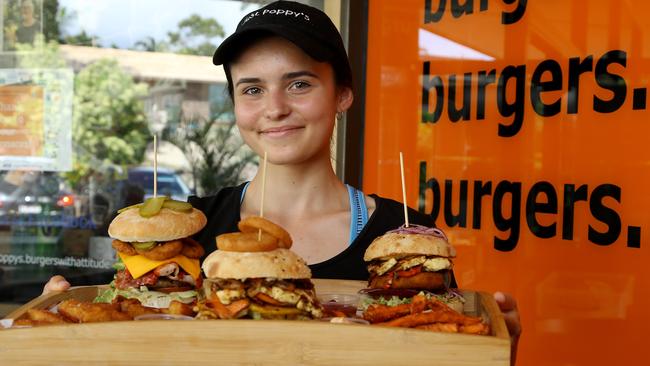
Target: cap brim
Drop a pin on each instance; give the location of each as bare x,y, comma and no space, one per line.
313,46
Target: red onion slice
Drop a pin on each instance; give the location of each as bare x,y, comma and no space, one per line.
420,229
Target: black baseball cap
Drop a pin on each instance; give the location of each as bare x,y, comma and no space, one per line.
305,26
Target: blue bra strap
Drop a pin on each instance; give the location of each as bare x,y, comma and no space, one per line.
243,192
358,212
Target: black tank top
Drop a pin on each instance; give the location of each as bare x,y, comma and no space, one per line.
222,211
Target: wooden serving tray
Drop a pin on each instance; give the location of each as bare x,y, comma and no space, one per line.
252,342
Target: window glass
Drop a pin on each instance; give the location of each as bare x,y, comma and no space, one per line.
84,87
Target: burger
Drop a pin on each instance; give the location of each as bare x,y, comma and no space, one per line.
408,286
158,261
414,257
257,281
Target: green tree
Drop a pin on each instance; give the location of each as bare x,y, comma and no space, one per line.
150,44
195,36
109,123
82,39
39,55
51,17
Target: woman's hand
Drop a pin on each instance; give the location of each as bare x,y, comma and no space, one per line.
508,306
56,283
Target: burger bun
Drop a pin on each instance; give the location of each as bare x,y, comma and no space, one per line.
166,225
398,245
279,263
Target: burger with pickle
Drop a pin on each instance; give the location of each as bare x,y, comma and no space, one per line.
158,261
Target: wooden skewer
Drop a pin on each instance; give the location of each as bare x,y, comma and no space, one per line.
401,168
259,232
155,166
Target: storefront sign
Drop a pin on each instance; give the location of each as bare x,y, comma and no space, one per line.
524,127
36,119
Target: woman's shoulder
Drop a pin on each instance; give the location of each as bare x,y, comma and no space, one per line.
225,196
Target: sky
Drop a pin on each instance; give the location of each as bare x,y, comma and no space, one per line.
125,22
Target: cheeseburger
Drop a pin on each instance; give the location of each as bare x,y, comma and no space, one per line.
158,261
255,275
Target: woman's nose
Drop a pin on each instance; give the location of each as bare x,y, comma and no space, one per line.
276,106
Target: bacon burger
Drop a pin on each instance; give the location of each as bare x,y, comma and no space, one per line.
256,275
158,261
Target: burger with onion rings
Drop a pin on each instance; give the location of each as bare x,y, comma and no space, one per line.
255,275
158,261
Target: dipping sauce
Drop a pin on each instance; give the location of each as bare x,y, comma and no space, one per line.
339,305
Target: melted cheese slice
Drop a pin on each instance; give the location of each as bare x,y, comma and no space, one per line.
139,265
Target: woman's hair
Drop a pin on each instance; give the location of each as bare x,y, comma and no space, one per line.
307,27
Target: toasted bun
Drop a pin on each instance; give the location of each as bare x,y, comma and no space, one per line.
394,245
279,263
167,225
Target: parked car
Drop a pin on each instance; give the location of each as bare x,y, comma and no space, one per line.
38,195
169,183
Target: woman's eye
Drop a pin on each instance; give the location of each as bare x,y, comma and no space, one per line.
299,85
252,90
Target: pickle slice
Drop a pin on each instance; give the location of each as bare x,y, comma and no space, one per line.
152,206
129,207
144,245
177,205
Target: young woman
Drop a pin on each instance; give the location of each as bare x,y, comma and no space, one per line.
289,78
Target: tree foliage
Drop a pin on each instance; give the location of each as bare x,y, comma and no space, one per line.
109,123
195,36
216,153
41,54
51,17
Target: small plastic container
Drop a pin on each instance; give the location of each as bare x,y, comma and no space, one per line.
339,305
162,317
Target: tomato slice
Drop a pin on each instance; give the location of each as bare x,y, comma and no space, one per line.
409,272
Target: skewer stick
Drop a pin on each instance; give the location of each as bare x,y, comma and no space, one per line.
155,166
401,168
259,232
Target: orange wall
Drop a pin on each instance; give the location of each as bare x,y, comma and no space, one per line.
583,299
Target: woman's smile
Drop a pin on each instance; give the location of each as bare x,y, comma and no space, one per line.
281,131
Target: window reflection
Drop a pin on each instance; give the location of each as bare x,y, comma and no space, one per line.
84,86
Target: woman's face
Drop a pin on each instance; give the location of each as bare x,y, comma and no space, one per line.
285,101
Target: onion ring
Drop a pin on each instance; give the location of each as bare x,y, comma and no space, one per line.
254,223
192,248
246,242
162,251
123,247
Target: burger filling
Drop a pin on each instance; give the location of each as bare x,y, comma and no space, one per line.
430,264
416,272
259,298
156,288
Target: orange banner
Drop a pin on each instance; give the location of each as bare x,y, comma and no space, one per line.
21,120
524,127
